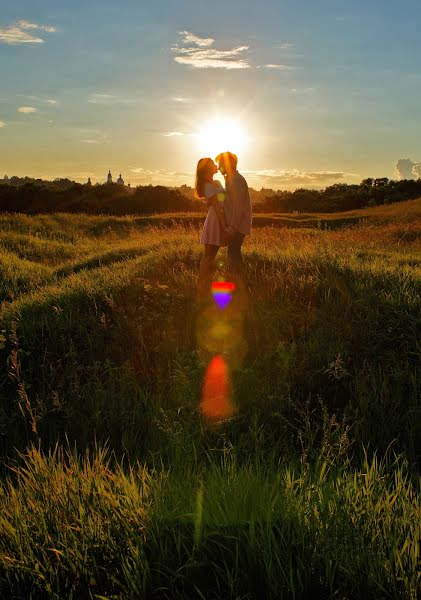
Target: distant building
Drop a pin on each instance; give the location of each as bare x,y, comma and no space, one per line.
89,182
6,178
120,180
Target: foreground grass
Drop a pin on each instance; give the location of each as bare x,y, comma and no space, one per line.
74,527
103,343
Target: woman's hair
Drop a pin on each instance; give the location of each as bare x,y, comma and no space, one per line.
201,172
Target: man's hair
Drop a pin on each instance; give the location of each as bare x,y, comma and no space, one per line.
228,158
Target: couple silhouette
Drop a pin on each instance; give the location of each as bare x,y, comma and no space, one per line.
229,216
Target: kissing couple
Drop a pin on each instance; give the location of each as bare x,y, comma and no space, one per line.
229,215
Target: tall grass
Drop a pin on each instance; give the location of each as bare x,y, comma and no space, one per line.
103,345
75,527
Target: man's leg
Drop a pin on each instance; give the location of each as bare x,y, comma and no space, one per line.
234,255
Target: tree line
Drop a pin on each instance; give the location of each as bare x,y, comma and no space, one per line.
38,196
342,196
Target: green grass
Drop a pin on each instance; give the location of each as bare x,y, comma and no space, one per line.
212,530
310,490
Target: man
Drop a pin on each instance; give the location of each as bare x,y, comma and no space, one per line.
237,209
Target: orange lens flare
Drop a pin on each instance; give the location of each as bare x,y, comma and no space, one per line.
216,402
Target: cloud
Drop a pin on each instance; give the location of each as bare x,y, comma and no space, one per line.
93,136
181,100
27,109
307,90
295,177
109,99
416,170
284,46
278,67
404,168
190,38
27,25
101,98
18,33
2,124
160,177
38,98
200,55
173,134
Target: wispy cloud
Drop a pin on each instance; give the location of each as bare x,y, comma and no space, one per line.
295,177
51,101
108,99
160,176
18,33
307,90
284,46
181,100
174,134
190,38
196,52
277,67
2,124
93,136
27,109
27,25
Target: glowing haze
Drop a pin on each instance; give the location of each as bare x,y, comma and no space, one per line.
306,93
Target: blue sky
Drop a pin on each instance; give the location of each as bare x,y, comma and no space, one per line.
323,91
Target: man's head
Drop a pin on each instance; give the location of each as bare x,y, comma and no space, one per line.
227,162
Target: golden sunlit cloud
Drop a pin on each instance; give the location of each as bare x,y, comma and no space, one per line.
2,124
18,33
27,109
173,134
221,134
282,178
200,54
190,38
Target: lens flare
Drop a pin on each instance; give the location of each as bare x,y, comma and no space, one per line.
216,402
221,292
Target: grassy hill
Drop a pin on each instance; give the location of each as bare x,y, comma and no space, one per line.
121,488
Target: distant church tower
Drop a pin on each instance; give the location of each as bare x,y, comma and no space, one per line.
89,182
120,180
109,177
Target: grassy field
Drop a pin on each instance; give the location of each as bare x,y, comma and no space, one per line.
115,486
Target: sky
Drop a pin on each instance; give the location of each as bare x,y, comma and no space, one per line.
307,92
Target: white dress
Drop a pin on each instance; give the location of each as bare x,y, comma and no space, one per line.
211,233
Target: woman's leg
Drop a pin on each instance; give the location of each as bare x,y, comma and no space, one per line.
207,267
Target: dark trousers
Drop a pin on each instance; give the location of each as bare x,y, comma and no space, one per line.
234,256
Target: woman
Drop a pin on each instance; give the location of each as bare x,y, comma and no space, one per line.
213,234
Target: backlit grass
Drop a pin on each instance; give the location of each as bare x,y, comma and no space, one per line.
114,485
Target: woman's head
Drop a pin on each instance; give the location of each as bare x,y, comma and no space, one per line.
205,171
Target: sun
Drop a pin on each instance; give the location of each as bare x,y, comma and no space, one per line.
221,134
